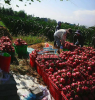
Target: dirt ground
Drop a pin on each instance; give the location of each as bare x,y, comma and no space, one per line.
22,65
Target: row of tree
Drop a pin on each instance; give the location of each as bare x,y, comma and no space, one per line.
21,23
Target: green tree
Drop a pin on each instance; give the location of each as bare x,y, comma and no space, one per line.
22,14
8,1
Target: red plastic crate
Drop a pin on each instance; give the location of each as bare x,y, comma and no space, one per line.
63,96
5,63
39,69
54,90
32,61
45,78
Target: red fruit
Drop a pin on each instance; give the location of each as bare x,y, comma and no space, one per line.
58,77
78,90
93,74
68,87
60,64
89,68
47,64
77,97
54,80
79,83
85,58
75,70
60,86
43,60
42,66
59,71
78,67
50,73
63,64
77,74
93,81
70,58
51,69
74,85
74,64
57,83
55,74
77,61
63,75
68,95
52,64
57,63
62,80
84,70
83,83
64,90
63,70
86,88
74,74
90,83
92,63
69,74
90,77
47,70
71,99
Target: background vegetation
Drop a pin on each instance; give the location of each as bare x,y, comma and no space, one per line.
19,23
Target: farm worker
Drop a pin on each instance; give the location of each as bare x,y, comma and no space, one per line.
60,36
58,26
78,38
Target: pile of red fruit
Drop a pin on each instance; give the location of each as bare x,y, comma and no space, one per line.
20,42
69,46
5,45
73,72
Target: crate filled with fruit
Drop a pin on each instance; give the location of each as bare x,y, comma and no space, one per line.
20,46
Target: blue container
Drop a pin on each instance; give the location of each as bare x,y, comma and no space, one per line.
30,97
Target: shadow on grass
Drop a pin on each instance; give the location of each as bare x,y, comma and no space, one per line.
14,61
23,56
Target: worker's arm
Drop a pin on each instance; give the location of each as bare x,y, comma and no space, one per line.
74,39
63,38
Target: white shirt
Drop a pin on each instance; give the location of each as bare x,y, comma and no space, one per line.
61,34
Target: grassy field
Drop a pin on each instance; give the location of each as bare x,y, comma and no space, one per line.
2,24
28,39
31,39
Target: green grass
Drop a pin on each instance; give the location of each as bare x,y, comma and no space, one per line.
2,24
31,39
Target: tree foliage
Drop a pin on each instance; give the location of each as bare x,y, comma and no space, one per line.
20,22
8,1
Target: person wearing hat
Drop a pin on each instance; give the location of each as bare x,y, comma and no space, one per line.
60,36
58,26
78,38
